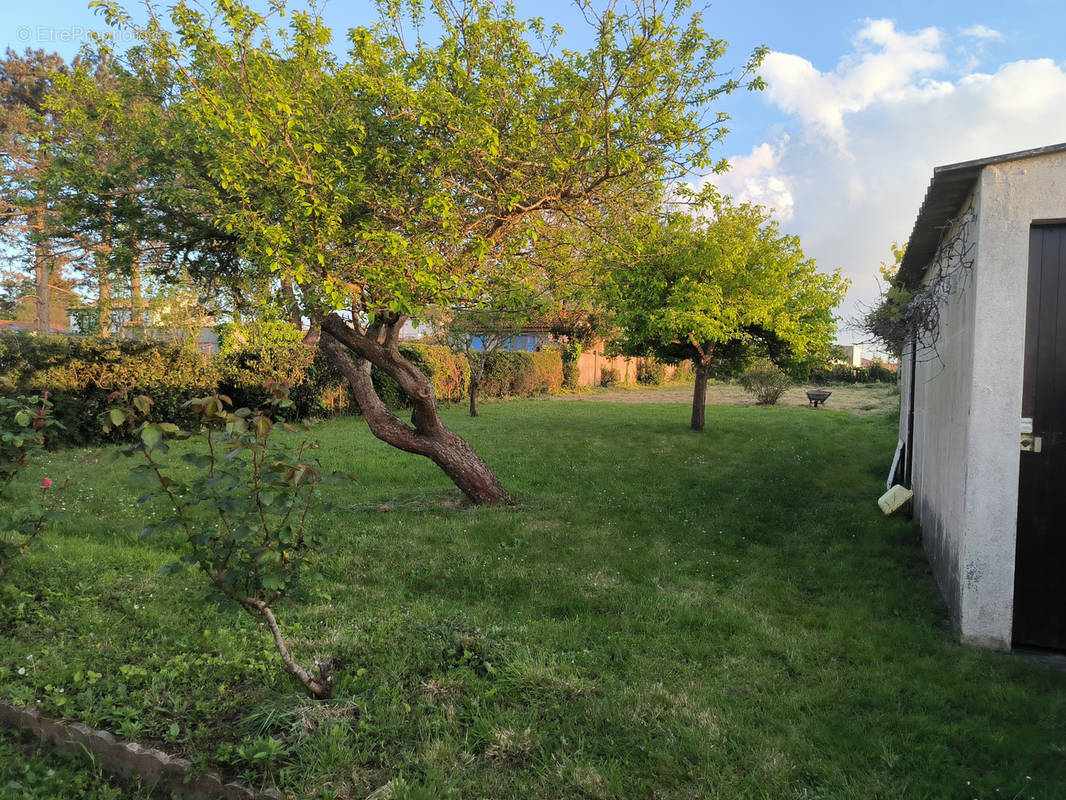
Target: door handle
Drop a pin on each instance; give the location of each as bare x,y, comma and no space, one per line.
1029,442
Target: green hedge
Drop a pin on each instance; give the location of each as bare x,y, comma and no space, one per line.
520,374
80,373
875,373
249,355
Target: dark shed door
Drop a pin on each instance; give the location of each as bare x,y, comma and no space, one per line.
1040,567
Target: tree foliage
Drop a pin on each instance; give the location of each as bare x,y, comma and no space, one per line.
413,175
701,283
26,208
888,322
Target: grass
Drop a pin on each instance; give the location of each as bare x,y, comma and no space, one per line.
664,614
29,772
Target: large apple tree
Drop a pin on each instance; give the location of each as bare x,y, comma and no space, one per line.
410,175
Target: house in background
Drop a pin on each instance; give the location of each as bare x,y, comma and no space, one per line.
983,417
853,355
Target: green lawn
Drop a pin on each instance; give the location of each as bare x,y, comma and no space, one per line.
664,614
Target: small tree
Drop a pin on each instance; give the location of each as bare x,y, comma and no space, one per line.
246,509
698,283
478,333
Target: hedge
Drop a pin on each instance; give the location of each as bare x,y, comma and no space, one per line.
520,374
875,373
80,373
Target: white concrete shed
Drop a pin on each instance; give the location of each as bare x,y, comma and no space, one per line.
983,418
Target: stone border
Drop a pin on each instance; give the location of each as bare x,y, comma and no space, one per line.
129,759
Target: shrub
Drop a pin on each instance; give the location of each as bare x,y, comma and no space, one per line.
650,372
766,382
242,503
21,527
24,424
519,374
571,356
254,354
609,376
80,373
842,373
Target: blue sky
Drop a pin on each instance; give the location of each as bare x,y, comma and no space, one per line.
864,99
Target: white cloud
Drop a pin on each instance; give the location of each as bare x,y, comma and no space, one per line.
864,138
754,179
982,32
885,66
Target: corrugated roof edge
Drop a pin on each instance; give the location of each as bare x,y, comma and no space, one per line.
947,190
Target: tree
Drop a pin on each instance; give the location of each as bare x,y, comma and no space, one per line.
698,284
25,126
891,322
410,176
478,333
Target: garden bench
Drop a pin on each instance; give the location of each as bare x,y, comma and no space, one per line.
817,396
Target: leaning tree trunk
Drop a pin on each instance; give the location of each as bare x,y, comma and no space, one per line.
702,364
353,352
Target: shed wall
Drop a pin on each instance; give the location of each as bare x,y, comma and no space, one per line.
942,395
968,402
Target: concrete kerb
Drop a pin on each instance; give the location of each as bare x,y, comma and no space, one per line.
129,759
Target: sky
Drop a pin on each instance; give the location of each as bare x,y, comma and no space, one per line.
863,100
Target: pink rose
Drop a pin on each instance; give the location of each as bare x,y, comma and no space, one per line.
46,483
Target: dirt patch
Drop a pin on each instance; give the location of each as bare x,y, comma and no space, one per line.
860,399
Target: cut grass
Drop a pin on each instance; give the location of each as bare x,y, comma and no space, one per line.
664,614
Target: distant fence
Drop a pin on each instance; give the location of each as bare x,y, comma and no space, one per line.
592,362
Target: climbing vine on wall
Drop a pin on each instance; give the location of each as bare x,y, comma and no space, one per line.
910,310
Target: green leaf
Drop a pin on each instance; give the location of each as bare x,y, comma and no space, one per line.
116,416
151,435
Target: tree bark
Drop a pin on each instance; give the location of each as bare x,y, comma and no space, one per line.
477,374
473,396
103,303
699,391
136,301
292,306
42,269
353,352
